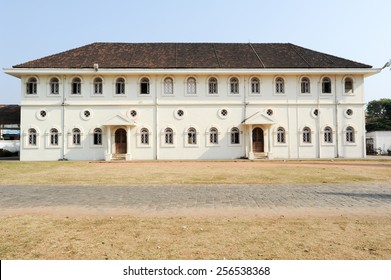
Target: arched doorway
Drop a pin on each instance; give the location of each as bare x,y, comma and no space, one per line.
258,143
120,141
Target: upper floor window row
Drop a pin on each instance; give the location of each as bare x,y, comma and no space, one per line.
191,86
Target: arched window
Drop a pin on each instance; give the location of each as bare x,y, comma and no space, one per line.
98,86
32,137
235,135
213,136
255,86
280,88
306,135
53,137
97,136
212,84
305,85
191,86
76,136
168,86
169,136
144,86
120,86
31,86
328,135
326,85
348,85
144,136
280,135
192,136
234,86
76,86
54,86
350,134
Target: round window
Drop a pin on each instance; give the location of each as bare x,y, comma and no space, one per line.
133,113
269,112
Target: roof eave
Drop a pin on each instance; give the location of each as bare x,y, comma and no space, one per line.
20,72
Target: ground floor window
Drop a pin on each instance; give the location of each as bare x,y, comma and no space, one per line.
97,136
235,135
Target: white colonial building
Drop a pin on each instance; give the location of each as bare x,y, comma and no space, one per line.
149,101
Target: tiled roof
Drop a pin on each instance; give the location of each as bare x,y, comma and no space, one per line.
191,55
9,114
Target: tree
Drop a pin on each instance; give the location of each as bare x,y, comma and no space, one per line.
378,115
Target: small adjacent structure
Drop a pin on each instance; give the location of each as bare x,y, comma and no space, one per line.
378,142
9,128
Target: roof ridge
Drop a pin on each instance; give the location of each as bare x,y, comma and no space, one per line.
217,57
257,55
292,46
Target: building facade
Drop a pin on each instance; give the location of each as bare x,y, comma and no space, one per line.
172,101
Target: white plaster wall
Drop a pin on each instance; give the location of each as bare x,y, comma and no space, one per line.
291,110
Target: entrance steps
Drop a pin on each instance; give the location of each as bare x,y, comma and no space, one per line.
260,156
118,157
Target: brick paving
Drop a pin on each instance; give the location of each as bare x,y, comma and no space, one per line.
260,200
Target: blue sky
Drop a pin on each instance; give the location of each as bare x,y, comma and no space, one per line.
359,30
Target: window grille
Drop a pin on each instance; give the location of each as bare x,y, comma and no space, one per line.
213,136
281,135
280,85
213,86
305,85
191,86
98,86
168,136
144,136
76,86
235,136
255,85
31,86
97,136
54,86
76,136
328,135
192,136
306,135
54,137
234,86
120,86
168,86
350,134
32,137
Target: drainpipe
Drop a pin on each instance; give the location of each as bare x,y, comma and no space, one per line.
245,128
336,116
156,119
63,104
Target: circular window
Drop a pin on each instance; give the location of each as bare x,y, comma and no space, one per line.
179,114
223,113
133,113
349,112
315,113
86,114
269,112
42,114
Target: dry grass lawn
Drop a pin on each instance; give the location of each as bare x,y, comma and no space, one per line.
48,237
199,172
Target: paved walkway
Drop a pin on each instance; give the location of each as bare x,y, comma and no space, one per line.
260,200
